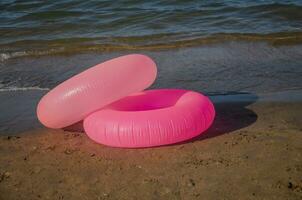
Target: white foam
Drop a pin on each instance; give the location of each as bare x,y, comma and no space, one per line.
5,56
13,89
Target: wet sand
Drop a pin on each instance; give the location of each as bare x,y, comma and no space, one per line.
253,151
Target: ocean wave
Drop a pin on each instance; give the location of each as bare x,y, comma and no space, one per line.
147,42
34,28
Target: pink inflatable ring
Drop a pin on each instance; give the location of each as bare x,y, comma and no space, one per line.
151,118
94,88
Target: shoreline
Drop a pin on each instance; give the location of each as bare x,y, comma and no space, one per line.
22,117
254,67
65,46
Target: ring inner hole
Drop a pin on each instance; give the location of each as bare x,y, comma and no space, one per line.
151,100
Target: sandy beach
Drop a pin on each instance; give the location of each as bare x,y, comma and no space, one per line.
246,56
252,151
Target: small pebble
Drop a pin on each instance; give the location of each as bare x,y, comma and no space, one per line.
68,151
290,185
52,147
6,175
191,183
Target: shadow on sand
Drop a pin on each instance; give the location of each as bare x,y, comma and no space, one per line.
231,114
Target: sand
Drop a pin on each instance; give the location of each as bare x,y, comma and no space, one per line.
253,151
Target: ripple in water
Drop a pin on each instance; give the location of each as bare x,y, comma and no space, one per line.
46,28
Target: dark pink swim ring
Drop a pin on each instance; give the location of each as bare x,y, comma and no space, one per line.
151,118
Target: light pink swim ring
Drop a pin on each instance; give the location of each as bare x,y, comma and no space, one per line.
98,86
151,118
